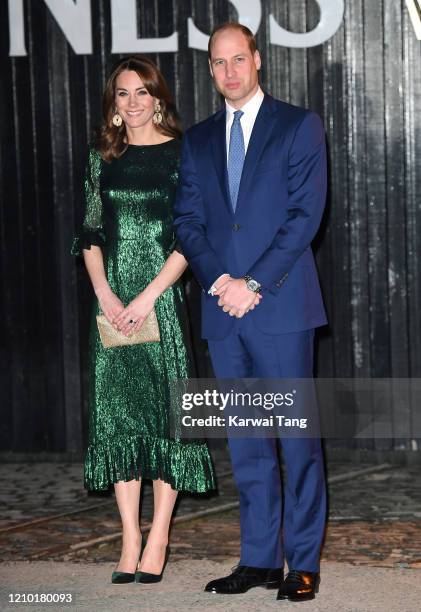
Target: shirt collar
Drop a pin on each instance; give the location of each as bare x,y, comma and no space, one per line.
250,108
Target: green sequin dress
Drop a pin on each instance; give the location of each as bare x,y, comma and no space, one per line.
128,214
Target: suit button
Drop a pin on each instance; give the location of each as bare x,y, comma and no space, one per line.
235,227
283,279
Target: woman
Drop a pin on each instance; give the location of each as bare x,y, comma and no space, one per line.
127,244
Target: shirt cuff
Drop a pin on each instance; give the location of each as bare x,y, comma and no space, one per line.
212,289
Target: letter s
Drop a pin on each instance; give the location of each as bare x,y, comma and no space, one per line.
289,399
249,14
331,15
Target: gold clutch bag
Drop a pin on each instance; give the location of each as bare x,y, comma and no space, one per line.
149,332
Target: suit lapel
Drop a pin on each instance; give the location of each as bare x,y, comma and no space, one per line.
219,154
262,129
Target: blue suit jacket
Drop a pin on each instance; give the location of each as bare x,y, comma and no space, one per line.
279,209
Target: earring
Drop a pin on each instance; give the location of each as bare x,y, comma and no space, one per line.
117,120
157,115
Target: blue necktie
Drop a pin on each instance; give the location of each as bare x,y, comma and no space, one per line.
235,157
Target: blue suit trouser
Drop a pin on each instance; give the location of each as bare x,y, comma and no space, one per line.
248,353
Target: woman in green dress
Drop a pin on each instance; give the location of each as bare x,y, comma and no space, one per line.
127,242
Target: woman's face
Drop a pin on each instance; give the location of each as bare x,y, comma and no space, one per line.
133,102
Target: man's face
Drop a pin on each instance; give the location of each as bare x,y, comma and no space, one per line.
233,67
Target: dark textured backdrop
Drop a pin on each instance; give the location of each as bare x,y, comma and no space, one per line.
366,84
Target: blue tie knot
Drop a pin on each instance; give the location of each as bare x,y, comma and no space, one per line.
237,115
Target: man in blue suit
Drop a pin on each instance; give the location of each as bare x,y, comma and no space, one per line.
250,200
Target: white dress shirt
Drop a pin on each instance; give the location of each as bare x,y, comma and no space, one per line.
250,110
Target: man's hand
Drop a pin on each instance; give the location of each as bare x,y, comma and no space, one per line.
235,298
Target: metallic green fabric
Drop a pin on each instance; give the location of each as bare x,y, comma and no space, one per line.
128,213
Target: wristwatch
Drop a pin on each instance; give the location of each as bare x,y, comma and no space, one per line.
252,284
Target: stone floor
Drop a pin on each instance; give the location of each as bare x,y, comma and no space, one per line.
374,521
343,588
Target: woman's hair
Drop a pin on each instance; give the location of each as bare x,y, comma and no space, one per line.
111,140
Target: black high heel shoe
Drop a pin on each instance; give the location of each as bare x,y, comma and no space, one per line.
147,578
126,577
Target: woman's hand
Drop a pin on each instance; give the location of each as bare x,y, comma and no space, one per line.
109,303
131,318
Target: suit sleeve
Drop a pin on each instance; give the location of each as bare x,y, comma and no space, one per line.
190,222
307,186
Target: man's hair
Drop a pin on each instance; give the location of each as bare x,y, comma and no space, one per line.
233,25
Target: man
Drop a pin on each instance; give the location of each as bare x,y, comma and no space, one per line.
250,199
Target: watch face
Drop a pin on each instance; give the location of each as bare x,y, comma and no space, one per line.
253,285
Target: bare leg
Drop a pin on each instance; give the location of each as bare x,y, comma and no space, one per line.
154,553
128,497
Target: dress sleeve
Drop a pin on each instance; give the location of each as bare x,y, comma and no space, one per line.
176,246
92,230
